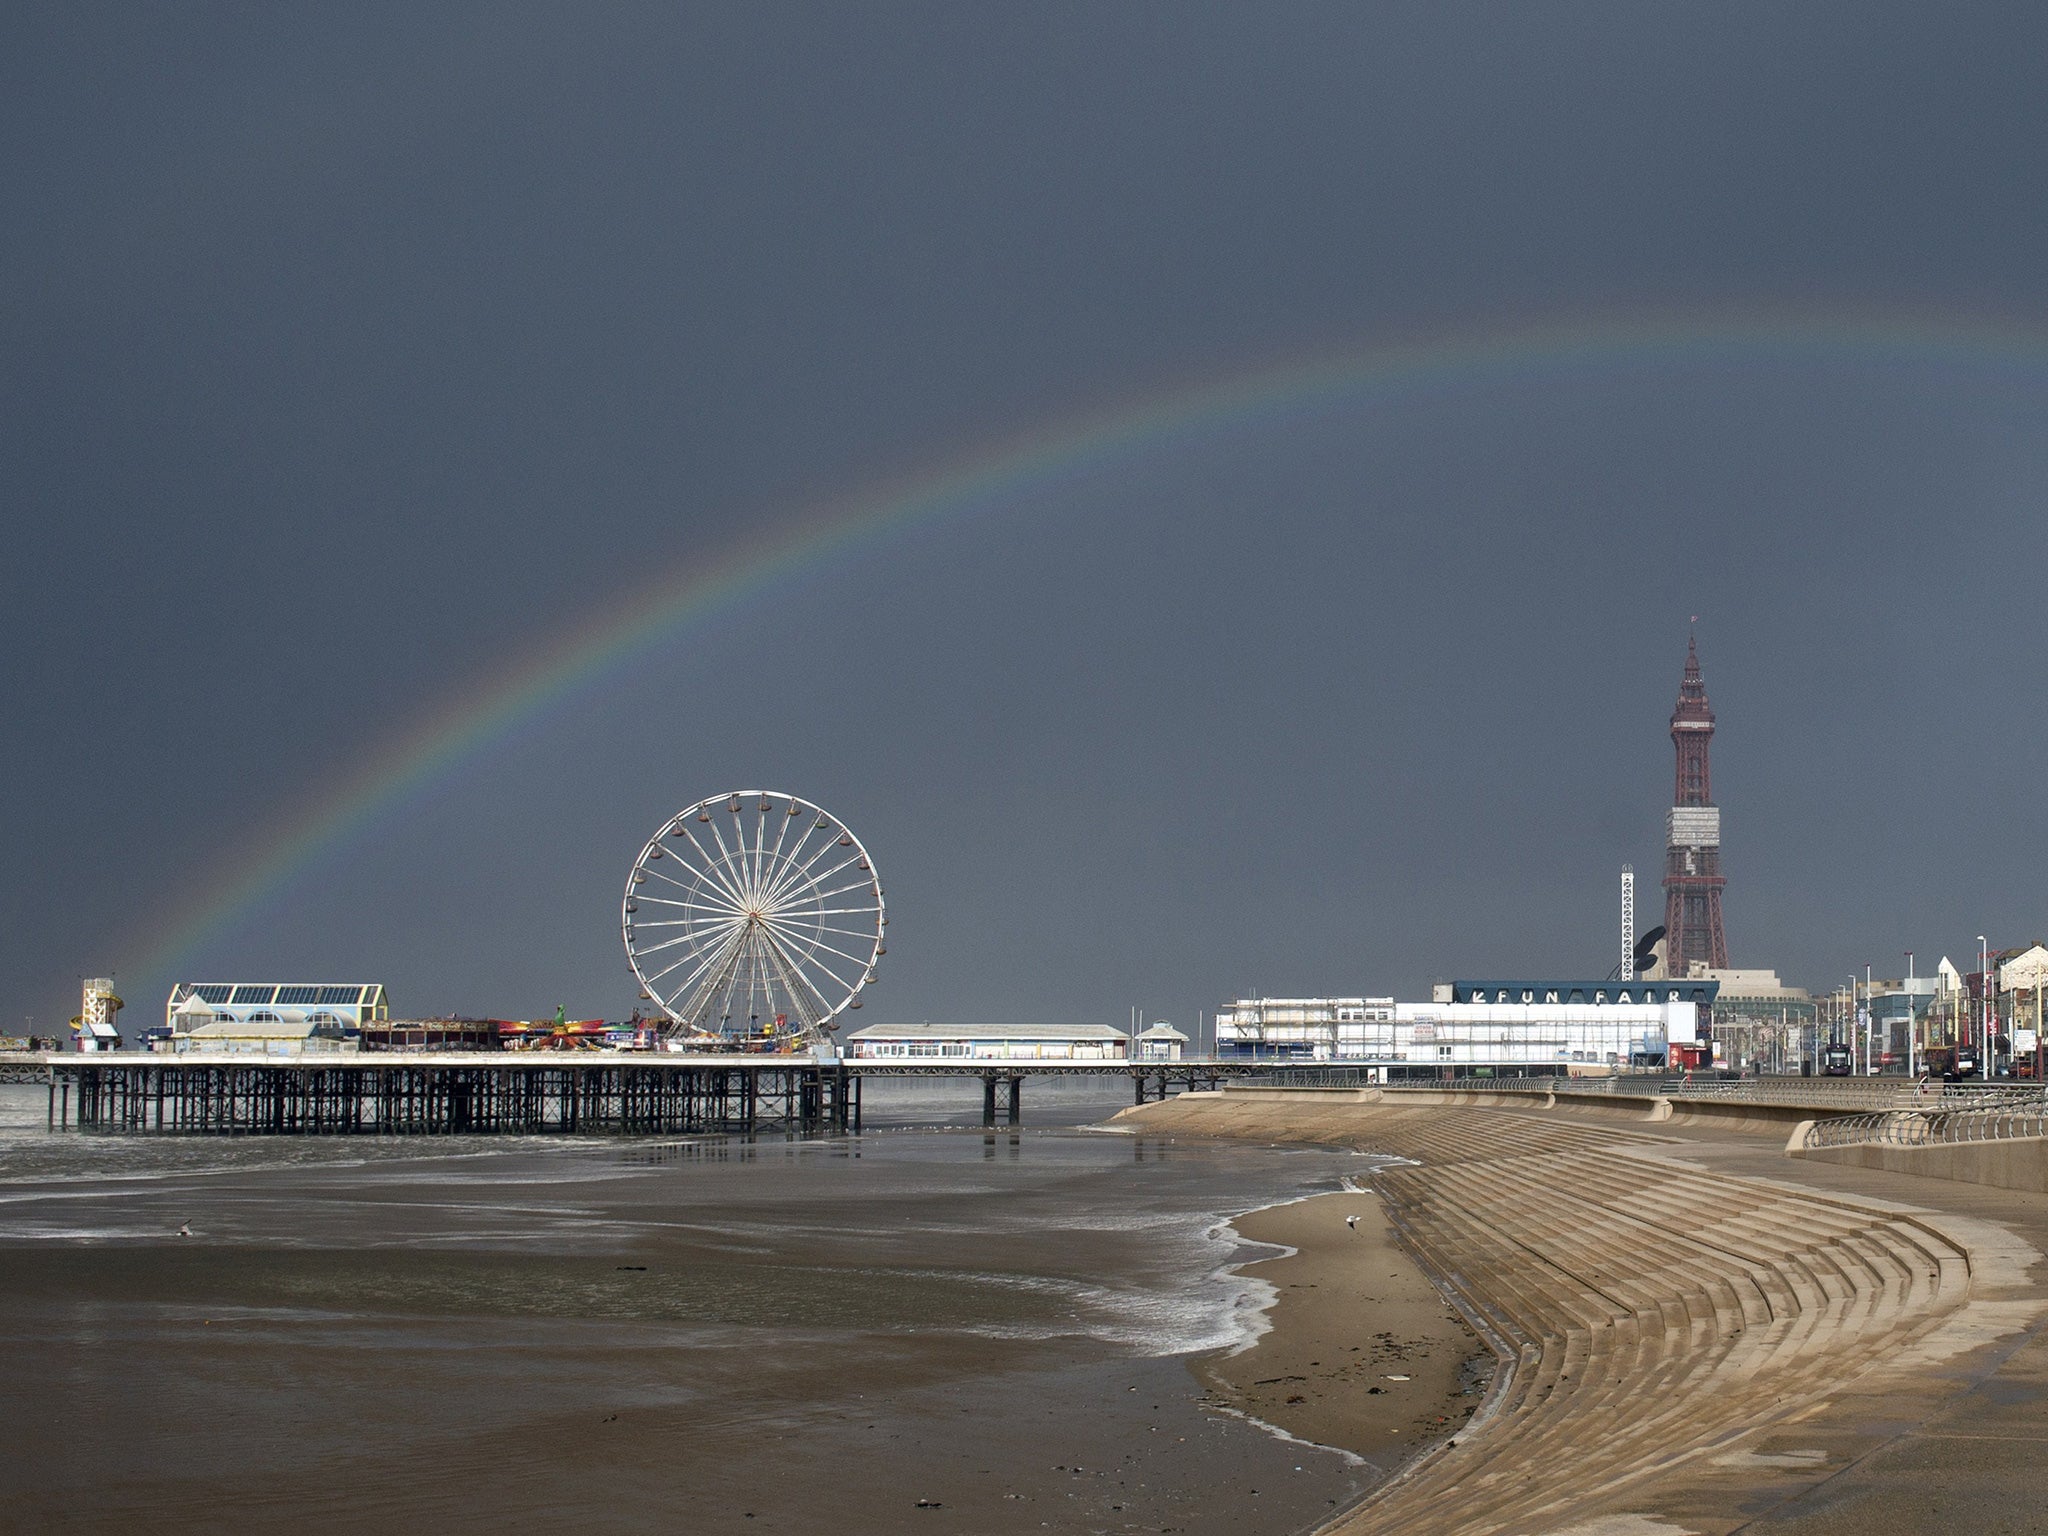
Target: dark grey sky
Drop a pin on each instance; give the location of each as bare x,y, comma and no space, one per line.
348,356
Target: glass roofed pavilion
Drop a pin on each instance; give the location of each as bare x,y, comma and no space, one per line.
348,1005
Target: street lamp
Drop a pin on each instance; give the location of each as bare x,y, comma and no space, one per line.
1984,1004
1912,1024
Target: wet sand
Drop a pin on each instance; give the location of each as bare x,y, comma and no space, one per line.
1363,1353
976,1333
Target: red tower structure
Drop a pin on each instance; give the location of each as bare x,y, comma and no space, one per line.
1692,843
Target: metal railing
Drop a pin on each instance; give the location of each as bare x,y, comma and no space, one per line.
2021,1116
1318,1077
1866,1093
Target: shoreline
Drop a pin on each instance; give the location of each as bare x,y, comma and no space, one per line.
1362,1353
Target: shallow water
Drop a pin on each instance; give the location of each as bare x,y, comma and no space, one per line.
685,1334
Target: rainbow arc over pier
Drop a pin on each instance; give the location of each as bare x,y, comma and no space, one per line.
1000,473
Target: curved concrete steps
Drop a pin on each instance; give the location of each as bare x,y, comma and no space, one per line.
1652,1312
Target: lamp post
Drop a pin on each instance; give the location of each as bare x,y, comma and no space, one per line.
1849,1033
1912,1024
1984,1005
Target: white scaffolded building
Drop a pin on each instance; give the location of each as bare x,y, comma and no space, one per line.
1628,1023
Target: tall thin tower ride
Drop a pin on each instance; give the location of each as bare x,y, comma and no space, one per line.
1692,843
1627,968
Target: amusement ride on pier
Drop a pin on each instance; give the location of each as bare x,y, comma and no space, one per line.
753,919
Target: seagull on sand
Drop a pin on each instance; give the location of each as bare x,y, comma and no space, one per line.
1351,1222
185,1229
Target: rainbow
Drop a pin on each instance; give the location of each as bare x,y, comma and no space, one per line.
461,726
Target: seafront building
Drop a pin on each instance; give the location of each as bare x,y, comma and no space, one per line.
1475,1025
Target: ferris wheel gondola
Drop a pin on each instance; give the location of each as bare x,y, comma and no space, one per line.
752,915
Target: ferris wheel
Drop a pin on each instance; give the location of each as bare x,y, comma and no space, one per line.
753,914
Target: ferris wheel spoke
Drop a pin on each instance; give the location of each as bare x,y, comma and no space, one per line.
705,903
696,888
864,884
803,925
704,955
798,872
763,858
812,882
781,833
721,912
710,869
735,871
809,953
704,982
694,966
734,971
816,944
796,983
694,939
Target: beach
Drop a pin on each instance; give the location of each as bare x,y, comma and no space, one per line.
1362,1351
983,1332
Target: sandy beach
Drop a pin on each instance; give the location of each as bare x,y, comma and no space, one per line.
1363,1353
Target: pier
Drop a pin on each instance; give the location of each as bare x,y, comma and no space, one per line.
556,1094
543,1093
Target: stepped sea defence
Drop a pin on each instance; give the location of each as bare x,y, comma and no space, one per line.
1681,1343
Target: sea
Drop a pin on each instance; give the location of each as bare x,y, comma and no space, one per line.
930,1326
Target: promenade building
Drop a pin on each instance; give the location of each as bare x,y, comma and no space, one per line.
1759,1021
1475,1026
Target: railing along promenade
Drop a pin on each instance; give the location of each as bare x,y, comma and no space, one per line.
1826,1093
1847,1111
1938,1123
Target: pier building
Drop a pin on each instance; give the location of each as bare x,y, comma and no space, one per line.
989,1042
1160,1042
268,1016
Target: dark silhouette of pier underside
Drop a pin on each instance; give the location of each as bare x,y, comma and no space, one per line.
551,1094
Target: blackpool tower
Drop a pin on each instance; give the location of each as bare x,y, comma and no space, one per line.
1692,844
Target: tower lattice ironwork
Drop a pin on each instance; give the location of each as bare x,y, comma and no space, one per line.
1692,844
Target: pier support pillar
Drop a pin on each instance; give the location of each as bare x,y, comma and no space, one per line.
988,1100
1016,1099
